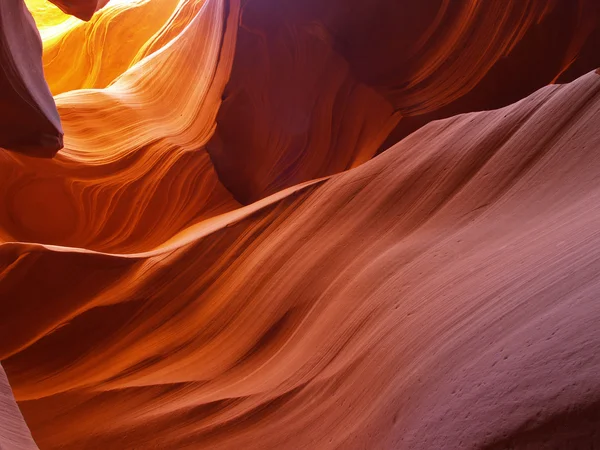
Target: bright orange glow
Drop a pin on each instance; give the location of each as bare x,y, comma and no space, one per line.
84,55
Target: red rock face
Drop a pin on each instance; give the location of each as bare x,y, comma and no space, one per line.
441,295
305,224
366,67
29,122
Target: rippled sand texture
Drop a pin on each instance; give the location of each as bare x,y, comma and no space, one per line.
223,256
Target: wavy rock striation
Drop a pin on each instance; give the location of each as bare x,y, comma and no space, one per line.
317,86
453,272
218,259
94,51
123,185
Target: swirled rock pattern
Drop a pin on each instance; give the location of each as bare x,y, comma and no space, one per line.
365,67
122,185
259,328
94,51
222,256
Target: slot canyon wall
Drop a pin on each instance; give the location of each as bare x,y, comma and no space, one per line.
300,224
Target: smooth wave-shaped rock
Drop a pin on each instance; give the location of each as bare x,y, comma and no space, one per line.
316,86
86,55
453,272
218,259
123,185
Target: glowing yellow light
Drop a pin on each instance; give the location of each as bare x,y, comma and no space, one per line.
91,55
53,23
46,15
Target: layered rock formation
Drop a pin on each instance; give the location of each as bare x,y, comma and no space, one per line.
364,68
218,259
453,272
120,185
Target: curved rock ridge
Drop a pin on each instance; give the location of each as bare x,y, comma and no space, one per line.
365,68
224,256
319,87
441,295
94,52
14,434
29,121
126,186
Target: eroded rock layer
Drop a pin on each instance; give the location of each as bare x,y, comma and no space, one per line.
120,185
83,9
318,86
219,258
453,272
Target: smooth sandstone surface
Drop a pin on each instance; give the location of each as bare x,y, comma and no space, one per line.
259,235
122,185
455,272
321,86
